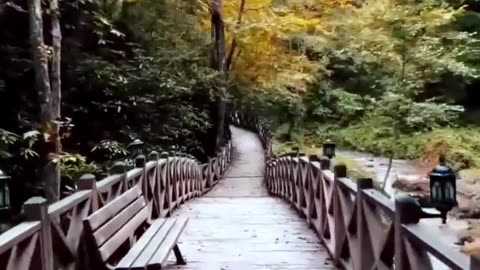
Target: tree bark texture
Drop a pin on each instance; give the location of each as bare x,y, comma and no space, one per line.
233,46
40,59
218,57
56,84
48,87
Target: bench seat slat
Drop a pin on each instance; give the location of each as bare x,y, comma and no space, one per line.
111,227
99,217
150,249
123,234
161,255
137,249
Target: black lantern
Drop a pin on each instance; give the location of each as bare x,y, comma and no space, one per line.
4,191
443,190
329,149
135,148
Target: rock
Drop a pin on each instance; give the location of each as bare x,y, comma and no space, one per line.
473,212
472,247
411,183
463,240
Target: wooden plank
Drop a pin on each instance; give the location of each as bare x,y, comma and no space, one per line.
68,202
136,250
157,242
123,234
17,234
108,229
426,237
111,209
161,255
134,173
109,181
238,226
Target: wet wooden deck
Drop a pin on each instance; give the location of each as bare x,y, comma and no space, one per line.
238,226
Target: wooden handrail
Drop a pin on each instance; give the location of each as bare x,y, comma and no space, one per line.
359,226
56,235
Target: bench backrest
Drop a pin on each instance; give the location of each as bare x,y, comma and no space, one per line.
114,224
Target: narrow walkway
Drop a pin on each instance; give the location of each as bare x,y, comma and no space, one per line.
238,226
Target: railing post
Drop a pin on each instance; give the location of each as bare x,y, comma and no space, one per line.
166,200
86,182
140,161
36,209
153,156
340,171
365,261
406,212
118,168
475,262
209,182
324,163
291,179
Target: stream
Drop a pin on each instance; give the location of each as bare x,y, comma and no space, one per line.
378,166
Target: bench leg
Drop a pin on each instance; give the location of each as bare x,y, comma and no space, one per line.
178,255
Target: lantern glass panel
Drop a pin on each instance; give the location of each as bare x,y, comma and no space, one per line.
442,187
2,194
329,149
4,191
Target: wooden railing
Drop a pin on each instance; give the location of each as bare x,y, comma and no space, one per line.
52,236
360,227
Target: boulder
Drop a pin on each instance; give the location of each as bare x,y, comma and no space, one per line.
472,247
411,183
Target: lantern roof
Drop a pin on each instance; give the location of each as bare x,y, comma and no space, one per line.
442,170
328,141
136,142
3,175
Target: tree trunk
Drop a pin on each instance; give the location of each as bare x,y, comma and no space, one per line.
389,168
50,174
40,59
218,57
56,84
390,159
233,46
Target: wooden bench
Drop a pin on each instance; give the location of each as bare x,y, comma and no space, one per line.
123,238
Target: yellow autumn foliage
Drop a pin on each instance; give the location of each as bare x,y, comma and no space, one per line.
264,56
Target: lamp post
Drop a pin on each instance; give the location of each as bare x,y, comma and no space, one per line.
135,148
443,190
4,191
329,149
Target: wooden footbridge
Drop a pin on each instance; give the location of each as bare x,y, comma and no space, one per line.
244,209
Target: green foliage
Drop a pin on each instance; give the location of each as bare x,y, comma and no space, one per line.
110,150
130,69
460,145
73,166
408,116
336,104
13,145
6,140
